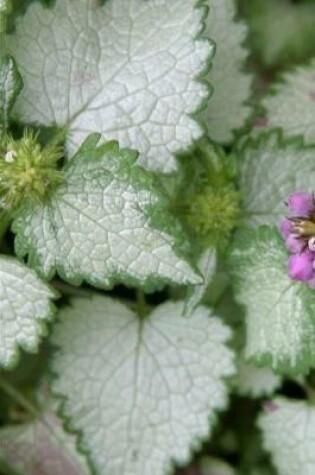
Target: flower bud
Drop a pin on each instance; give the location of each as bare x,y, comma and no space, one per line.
28,172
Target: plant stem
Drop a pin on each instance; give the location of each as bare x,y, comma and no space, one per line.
141,304
18,397
5,221
310,391
310,387
67,289
59,137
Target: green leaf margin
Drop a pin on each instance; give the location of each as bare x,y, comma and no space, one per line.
243,242
158,215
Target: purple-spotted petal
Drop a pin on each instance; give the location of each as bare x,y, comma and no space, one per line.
286,228
300,266
294,244
301,204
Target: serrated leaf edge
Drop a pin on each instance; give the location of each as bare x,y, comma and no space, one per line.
68,426
41,323
265,360
149,179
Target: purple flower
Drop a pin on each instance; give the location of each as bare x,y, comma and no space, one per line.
301,204
298,231
300,266
311,244
286,228
295,244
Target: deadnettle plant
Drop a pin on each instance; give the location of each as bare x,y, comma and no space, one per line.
140,259
298,230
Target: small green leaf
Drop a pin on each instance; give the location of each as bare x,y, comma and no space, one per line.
107,222
291,105
207,265
10,87
143,393
288,435
129,69
228,109
25,306
272,168
280,312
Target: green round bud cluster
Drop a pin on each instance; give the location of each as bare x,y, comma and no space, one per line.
28,171
213,213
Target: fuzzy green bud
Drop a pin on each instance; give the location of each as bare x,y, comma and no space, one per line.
213,213
28,172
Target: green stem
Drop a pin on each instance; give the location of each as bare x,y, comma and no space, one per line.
310,387
59,137
67,289
141,304
5,221
310,391
18,397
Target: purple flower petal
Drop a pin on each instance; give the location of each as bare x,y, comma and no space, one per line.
301,204
286,228
311,244
295,244
300,266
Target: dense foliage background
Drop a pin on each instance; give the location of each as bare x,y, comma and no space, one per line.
280,36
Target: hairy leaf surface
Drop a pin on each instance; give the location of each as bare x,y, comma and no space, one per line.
207,265
271,168
227,110
280,312
25,306
288,434
10,87
255,381
107,222
291,106
143,393
128,70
